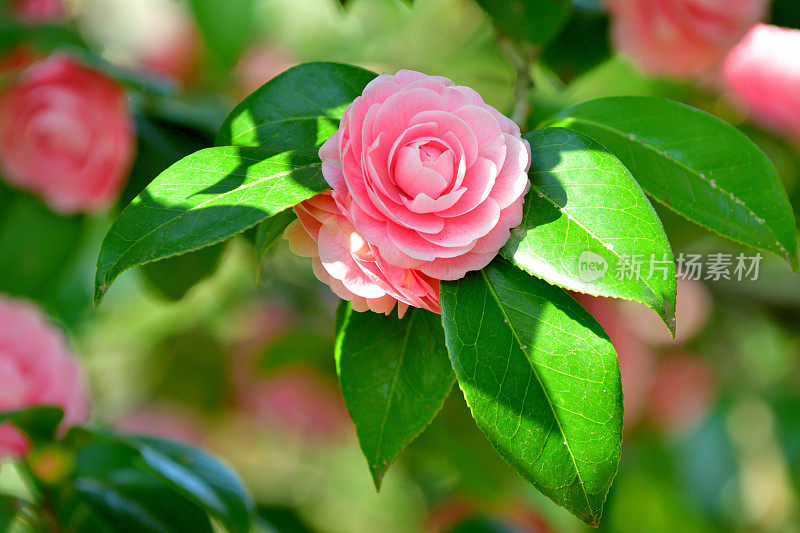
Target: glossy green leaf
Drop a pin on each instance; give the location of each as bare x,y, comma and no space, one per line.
395,376
588,227
201,478
298,109
535,21
696,164
541,379
38,423
129,500
204,199
270,231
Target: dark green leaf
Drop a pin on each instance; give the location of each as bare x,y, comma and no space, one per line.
542,380
696,164
226,27
585,210
9,508
534,21
201,478
299,109
38,246
395,376
129,500
204,199
270,231
38,423
175,276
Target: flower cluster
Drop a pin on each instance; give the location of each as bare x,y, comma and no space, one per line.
428,180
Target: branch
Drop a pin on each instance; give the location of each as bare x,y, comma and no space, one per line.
521,58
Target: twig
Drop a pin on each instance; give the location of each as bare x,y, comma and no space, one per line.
521,59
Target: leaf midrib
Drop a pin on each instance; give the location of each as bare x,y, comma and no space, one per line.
700,175
605,245
392,386
550,403
111,267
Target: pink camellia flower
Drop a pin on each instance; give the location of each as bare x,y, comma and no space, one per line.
352,267
39,11
763,74
682,38
35,369
66,135
428,174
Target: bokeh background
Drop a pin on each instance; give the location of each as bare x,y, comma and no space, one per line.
234,354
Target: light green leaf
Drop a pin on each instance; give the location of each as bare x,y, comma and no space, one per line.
694,163
299,109
588,227
204,199
542,380
395,376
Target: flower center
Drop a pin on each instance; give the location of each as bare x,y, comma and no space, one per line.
424,166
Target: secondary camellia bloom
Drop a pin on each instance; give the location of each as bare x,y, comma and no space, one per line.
763,74
351,266
430,176
66,135
35,369
682,38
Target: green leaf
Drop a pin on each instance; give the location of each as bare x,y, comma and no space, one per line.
38,246
696,164
395,376
226,27
129,500
175,276
39,423
299,109
535,21
204,199
542,380
201,478
585,210
10,506
270,231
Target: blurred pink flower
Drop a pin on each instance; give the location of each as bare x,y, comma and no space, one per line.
428,174
161,421
637,360
177,53
36,368
39,11
259,65
352,267
683,38
684,389
66,135
296,399
692,310
763,75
